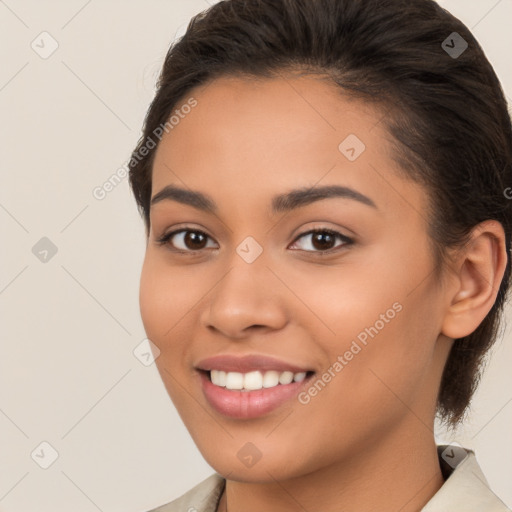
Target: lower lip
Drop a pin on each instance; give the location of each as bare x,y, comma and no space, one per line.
248,404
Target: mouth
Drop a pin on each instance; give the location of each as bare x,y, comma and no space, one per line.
250,386
246,397
254,380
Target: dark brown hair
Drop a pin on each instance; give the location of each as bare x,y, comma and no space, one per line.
447,113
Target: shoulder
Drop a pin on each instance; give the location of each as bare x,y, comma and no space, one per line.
466,488
201,498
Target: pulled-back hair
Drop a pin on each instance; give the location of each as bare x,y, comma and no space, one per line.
446,113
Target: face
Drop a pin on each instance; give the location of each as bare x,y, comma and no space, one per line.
309,254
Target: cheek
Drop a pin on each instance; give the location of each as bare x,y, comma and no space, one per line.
161,299
382,331
339,303
169,299
386,365
151,300
165,295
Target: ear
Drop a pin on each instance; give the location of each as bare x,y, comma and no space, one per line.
478,273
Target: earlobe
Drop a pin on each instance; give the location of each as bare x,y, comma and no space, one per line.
479,271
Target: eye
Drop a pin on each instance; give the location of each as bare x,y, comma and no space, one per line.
185,240
322,240
192,240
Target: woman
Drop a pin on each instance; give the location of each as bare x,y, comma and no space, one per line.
323,185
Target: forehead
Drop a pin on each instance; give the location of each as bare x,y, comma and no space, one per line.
290,105
253,137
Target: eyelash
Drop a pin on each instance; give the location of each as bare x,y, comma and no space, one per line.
165,238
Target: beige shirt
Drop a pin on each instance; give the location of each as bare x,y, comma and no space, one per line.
465,488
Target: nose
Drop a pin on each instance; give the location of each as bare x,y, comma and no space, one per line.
245,299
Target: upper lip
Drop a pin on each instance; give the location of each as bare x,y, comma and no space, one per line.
247,363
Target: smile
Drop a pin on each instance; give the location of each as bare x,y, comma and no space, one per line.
251,385
254,380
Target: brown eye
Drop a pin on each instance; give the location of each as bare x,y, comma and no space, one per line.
194,240
322,240
186,240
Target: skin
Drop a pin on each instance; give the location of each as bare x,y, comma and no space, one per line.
365,442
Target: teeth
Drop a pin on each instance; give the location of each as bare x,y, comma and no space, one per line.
254,380
219,377
270,379
234,380
286,378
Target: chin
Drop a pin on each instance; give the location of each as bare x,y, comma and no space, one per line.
261,461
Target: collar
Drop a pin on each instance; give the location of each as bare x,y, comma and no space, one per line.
465,488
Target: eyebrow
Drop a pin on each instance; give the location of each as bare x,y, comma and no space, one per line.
288,201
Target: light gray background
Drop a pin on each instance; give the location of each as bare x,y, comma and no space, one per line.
68,375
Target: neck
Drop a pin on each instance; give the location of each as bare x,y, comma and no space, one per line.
401,474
